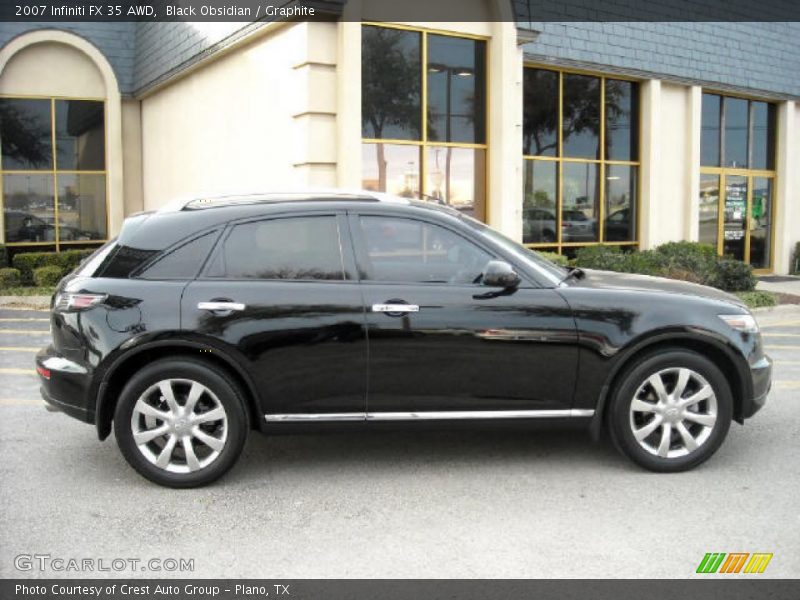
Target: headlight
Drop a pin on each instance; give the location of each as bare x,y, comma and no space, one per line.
743,323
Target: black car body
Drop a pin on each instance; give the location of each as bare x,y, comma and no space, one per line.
356,308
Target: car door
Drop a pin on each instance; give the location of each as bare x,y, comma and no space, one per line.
441,341
281,295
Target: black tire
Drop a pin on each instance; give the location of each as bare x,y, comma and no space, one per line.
223,391
621,421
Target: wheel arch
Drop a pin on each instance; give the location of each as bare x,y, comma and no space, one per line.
718,353
123,367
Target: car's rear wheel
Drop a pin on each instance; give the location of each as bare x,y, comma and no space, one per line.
181,423
670,411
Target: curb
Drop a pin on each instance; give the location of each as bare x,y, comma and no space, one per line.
29,302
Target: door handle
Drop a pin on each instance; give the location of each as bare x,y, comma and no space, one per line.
214,306
395,308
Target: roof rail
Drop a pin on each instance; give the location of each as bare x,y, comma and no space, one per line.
201,201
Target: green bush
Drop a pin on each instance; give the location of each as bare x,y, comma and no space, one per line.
9,278
733,276
554,257
796,262
688,261
757,299
604,258
47,276
66,261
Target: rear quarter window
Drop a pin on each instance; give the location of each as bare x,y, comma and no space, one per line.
184,262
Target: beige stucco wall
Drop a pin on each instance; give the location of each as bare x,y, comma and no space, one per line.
132,156
787,230
261,116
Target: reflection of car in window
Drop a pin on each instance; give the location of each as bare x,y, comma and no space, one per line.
577,227
538,225
21,226
618,226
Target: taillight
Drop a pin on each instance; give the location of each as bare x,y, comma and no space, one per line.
43,372
74,302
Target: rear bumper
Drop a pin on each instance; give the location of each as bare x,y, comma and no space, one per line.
761,376
64,385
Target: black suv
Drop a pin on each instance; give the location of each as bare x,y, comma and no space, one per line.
212,317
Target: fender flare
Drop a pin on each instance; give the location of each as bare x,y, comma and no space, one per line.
665,338
102,418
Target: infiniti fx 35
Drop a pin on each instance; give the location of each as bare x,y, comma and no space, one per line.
216,316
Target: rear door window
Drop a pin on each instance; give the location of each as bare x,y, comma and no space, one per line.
293,248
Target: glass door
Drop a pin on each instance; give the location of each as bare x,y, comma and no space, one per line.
734,225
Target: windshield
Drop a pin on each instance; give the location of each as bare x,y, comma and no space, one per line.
552,271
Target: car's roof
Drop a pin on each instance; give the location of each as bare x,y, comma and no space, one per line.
187,216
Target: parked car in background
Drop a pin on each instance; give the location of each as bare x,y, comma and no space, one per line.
275,312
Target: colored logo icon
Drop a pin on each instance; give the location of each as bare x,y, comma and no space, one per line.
734,562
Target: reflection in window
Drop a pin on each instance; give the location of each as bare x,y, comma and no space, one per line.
761,223
81,207
456,88
540,119
456,177
80,135
410,251
57,199
539,203
581,118
708,209
620,209
445,163
710,130
390,83
183,262
292,248
763,135
25,134
28,208
735,117
622,120
581,202
392,168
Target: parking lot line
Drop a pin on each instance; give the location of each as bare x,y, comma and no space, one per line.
24,320
19,402
790,384
786,362
18,349
28,331
13,371
781,347
781,324
767,334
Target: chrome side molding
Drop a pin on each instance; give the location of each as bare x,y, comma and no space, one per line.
455,415
395,308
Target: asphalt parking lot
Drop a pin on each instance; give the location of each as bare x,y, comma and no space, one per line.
434,504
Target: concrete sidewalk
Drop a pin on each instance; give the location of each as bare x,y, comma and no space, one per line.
784,284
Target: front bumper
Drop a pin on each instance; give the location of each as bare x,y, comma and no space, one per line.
64,385
761,376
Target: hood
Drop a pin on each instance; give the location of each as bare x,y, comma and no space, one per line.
645,283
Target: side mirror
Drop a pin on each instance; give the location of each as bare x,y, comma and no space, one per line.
498,273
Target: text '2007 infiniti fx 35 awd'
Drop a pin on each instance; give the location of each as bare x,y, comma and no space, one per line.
212,317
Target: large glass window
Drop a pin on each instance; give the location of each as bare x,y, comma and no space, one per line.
53,171
581,150
737,162
423,111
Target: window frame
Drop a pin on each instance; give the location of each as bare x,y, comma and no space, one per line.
345,246
361,251
603,163
424,144
54,172
723,172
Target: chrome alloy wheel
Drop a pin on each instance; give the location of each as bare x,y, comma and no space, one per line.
673,412
179,425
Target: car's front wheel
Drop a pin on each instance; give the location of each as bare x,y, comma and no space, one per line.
670,411
181,423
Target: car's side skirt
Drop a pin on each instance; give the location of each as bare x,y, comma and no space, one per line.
430,415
